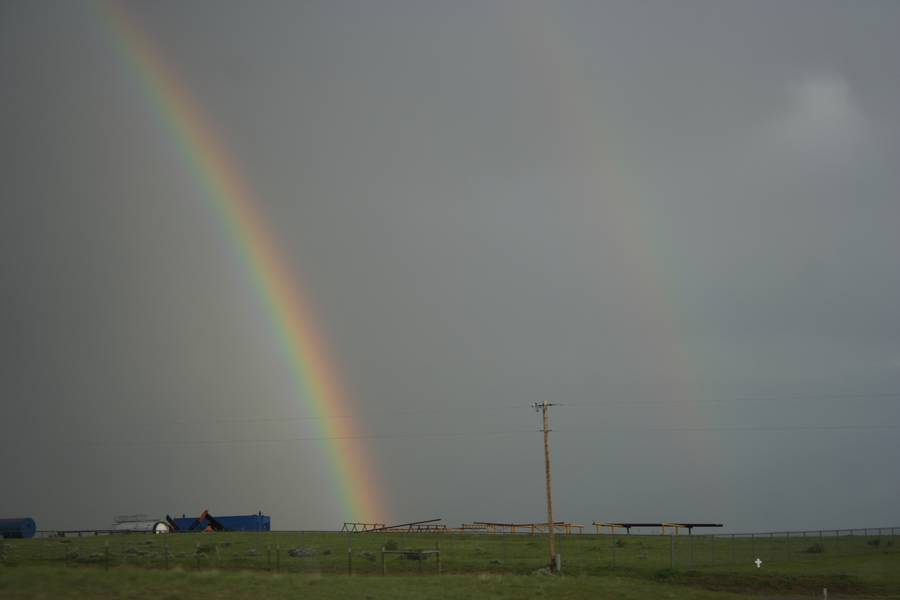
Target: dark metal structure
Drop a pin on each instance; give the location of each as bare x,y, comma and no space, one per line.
674,526
414,526
358,526
565,527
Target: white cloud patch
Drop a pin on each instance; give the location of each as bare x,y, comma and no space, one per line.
823,119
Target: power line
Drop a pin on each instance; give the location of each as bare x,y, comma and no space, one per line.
851,395
737,400
423,435
283,419
289,439
503,407
736,428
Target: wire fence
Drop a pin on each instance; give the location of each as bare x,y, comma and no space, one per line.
394,553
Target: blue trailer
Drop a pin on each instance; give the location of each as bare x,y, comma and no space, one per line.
206,522
22,528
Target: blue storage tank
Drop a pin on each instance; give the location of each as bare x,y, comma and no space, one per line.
18,528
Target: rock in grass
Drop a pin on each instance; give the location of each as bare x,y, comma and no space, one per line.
542,571
496,561
367,555
301,552
252,552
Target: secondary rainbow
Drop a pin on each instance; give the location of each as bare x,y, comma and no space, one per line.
220,178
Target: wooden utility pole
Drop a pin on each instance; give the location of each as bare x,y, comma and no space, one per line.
544,408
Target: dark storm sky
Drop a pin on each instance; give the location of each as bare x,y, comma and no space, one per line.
678,220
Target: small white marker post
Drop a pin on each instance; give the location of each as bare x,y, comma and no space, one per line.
758,563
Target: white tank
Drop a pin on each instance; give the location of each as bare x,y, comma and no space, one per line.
139,523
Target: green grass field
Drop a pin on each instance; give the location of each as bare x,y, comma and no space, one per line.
234,565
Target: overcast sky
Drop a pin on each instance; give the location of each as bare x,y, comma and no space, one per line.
676,219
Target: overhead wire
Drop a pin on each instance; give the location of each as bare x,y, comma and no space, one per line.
504,407
421,435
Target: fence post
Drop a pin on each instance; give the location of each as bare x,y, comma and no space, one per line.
671,550
383,570
106,552
437,546
277,557
691,547
349,556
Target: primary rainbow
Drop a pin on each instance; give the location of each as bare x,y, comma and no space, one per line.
219,176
